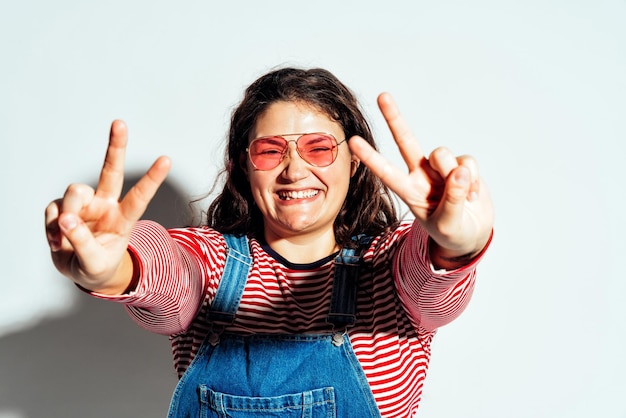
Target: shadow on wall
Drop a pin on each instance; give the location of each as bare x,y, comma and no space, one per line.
96,362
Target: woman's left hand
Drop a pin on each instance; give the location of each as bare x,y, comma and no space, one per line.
445,193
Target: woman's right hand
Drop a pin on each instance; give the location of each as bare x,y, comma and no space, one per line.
88,230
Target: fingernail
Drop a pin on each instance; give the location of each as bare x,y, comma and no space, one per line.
462,177
473,196
54,245
68,223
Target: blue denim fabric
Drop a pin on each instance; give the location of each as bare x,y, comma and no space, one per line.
229,292
316,403
270,375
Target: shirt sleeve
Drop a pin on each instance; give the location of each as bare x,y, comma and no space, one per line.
175,267
431,297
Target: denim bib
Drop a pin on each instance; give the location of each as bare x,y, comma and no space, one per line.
304,375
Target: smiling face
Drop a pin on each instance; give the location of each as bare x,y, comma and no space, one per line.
296,198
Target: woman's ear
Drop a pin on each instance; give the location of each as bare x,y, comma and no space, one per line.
354,165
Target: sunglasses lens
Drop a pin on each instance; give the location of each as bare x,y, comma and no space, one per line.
266,153
319,150
316,149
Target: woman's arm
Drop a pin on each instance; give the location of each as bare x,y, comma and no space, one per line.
432,296
454,216
88,229
173,270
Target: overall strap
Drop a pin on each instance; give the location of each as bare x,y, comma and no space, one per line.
233,281
342,312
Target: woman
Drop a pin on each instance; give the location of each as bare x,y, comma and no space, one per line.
304,295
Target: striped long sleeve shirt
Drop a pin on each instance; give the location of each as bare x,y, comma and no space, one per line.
401,300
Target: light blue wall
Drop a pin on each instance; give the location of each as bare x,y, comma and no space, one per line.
535,90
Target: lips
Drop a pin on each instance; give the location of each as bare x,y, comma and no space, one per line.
297,194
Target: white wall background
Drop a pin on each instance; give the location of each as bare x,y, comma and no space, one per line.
534,89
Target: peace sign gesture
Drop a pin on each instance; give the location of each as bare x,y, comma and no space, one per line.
445,193
88,230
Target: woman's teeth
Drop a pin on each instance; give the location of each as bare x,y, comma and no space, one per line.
301,194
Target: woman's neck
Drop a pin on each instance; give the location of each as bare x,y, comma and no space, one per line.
303,248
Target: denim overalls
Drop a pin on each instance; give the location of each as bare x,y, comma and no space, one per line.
304,375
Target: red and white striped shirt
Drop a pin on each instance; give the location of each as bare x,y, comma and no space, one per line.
402,300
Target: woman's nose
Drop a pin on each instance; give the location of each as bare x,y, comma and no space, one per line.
295,168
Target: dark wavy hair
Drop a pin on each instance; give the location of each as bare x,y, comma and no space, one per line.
367,209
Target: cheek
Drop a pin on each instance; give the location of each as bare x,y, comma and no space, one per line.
258,184
340,179
254,183
347,171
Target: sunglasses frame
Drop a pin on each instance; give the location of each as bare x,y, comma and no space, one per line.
284,152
